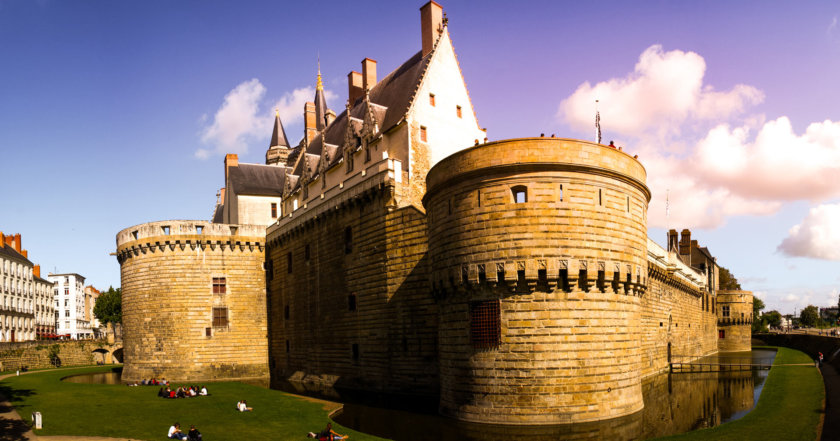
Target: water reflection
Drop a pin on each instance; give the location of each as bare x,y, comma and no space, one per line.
674,403
100,378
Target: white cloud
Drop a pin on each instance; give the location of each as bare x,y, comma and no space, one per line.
664,90
235,121
243,119
817,236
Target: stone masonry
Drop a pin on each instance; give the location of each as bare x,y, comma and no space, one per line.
735,317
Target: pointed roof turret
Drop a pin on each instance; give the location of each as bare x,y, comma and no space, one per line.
278,137
320,103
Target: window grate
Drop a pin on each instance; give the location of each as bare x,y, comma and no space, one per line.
220,317
219,285
485,324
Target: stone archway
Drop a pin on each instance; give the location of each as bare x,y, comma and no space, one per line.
101,356
118,355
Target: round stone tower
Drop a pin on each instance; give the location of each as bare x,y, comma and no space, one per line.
538,251
193,299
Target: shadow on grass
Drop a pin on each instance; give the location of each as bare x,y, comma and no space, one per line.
12,429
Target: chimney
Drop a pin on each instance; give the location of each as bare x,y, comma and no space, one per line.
368,73
354,87
310,121
16,243
431,25
36,270
673,243
231,160
25,253
2,239
685,242
221,200
330,117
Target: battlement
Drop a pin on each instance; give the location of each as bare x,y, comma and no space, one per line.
668,266
171,234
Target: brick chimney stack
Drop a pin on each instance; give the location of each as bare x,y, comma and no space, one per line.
673,242
354,87
36,270
368,73
310,120
431,25
231,160
2,239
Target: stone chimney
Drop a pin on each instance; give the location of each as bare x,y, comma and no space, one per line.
673,242
368,73
310,120
36,270
330,116
431,25
354,87
685,242
231,160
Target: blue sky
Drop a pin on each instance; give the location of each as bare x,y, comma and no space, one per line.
117,113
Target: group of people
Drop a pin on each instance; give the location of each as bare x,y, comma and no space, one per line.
176,433
327,434
154,382
182,392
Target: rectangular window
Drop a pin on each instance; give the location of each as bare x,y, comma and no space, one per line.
219,285
67,313
306,253
288,346
351,302
289,262
423,136
286,312
721,333
355,349
220,317
67,291
725,310
274,210
485,324
348,240
520,194
458,111
432,99
208,332
561,192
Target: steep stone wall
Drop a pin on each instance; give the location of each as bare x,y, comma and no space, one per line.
168,270
566,264
354,309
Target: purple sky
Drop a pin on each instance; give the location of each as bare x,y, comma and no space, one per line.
117,113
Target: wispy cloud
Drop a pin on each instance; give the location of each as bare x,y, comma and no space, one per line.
832,27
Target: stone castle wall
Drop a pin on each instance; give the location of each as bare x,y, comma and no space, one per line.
36,355
168,270
354,310
565,270
735,328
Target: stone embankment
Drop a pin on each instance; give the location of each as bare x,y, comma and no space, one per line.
38,354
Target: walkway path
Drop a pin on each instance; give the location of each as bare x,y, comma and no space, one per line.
13,428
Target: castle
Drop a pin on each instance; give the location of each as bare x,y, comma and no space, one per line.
405,253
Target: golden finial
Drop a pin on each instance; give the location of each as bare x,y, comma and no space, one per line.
320,85
277,112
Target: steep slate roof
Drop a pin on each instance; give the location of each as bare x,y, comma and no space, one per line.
217,214
390,99
10,252
257,180
278,137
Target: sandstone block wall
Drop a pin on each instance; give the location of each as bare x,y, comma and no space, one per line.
567,264
735,317
35,355
167,270
385,337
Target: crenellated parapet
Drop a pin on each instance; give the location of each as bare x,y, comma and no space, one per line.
162,236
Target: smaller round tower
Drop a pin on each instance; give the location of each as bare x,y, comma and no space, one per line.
735,318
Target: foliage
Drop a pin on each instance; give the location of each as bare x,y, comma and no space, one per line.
789,407
108,307
758,324
727,280
53,352
116,411
773,318
809,316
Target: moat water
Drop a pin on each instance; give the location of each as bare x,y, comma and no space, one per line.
674,403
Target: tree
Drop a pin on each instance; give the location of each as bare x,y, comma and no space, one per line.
774,318
809,316
759,323
758,305
727,281
108,307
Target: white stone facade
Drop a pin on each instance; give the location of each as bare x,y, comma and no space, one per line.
25,298
69,297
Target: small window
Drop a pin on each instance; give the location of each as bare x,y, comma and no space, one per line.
306,253
520,194
295,204
288,346
351,302
432,99
628,204
134,233
286,312
273,210
423,136
478,197
458,111
561,193
166,230
219,285
721,333
208,332
485,324
348,240
289,262
725,310
199,229
600,197
220,317
355,349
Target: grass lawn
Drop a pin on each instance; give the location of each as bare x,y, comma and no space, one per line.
137,412
789,408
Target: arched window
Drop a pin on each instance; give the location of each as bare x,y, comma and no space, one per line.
520,194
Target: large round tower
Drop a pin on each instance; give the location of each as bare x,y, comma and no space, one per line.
193,298
538,251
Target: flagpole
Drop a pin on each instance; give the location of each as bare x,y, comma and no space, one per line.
597,124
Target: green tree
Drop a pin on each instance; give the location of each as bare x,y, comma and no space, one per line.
727,281
759,324
774,318
108,307
809,316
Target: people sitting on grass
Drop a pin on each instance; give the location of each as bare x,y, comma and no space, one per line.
175,432
194,434
330,435
203,391
242,406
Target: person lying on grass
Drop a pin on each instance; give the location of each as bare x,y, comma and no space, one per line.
242,406
175,432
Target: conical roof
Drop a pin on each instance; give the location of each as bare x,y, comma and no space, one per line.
320,103
278,137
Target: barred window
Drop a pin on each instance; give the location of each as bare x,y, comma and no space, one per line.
273,210
485,324
219,285
220,317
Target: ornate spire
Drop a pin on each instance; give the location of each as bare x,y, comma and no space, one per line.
319,85
320,102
